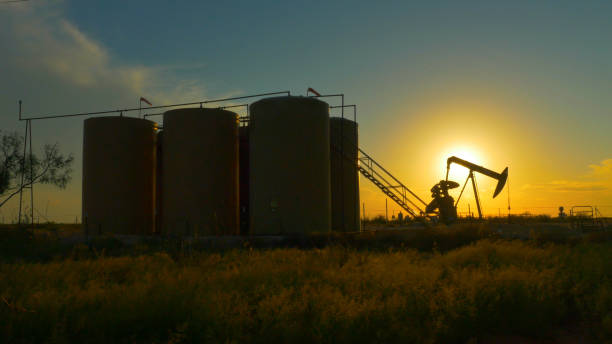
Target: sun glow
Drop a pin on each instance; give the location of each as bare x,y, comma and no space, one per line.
458,173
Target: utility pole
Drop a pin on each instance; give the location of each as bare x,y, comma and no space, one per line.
386,212
364,214
508,201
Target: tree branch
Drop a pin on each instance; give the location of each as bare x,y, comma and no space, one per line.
24,185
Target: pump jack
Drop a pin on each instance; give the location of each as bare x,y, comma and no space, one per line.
500,177
444,202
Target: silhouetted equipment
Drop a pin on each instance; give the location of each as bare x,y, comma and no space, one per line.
443,202
500,177
200,172
586,217
243,133
284,172
118,175
344,175
562,214
289,166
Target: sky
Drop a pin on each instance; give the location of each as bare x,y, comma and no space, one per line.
519,84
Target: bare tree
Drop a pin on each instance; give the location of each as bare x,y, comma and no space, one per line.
51,167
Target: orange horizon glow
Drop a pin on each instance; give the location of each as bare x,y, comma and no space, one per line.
485,133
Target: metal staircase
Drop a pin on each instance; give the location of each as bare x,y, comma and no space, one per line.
390,185
387,183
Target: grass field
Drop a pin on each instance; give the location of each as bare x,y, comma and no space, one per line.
462,284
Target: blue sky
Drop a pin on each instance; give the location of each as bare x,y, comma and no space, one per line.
518,83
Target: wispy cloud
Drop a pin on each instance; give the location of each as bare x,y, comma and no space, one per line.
566,185
44,41
603,169
56,67
599,178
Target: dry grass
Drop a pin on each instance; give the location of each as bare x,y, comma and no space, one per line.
483,288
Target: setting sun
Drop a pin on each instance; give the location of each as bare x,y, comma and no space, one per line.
465,152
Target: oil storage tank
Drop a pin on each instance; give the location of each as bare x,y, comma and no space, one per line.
119,157
289,166
200,172
343,137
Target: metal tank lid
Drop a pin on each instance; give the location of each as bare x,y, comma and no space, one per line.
118,118
340,119
194,112
199,110
290,99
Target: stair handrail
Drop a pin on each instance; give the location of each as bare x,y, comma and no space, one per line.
366,163
391,188
390,175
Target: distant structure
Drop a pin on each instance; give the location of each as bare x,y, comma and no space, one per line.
562,214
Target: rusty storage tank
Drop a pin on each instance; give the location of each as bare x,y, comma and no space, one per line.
118,175
243,133
200,172
158,181
344,175
289,166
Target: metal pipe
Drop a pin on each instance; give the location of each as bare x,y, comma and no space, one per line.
342,163
345,106
23,167
221,107
153,107
31,179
